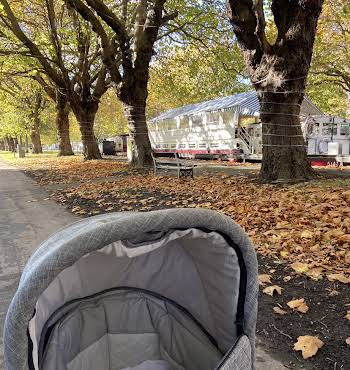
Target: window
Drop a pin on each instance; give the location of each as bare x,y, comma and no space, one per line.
165,146
213,117
202,146
173,146
197,121
184,122
227,117
182,146
157,146
214,145
326,129
345,129
192,146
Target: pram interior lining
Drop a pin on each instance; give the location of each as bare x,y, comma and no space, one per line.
197,269
126,329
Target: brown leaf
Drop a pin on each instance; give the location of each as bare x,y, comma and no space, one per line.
308,345
264,279
307,234
298,305
347,316
279,311
270,290
347,341
315,273
339,277
300,267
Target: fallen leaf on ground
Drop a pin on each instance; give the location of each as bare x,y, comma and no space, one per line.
308,345
270,290
347,341
264,279
307,234
298,305
315,273
333,293
300,267
287,278
347,316
279,311
339,277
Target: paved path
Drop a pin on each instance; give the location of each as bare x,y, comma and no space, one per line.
27,218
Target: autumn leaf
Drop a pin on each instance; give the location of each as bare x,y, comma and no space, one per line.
347,341
315,273
347,316
270,290
298,305
279,311
264,279
339,277
308,345
307,234
300,267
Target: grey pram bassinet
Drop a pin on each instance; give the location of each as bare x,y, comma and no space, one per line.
165,290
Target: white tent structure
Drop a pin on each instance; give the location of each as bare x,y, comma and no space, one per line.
220,127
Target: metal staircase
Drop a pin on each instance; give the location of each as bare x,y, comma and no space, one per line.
246,138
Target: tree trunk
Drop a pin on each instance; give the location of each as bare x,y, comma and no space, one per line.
86,119
284,151
35,135
140,149
7,143
62,125
27,144
10,144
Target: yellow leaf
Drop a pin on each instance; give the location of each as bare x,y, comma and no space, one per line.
287,278
279,311
347,341
284,254
308,345
298,305
264,279
339,277
307,234
270,290
300,267
347,316
315,273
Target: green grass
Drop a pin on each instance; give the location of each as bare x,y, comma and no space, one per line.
12,158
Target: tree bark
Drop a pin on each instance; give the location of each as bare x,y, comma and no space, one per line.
86,120
139,141
10,144
284,151
62,125
35,133
278,73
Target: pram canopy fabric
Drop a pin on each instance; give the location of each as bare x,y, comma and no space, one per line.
168,290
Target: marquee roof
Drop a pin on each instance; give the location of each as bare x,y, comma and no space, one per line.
247,104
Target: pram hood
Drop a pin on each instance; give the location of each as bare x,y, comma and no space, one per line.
197,260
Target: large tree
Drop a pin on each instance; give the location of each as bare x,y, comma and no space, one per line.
22,105
278,71
67,52
135,29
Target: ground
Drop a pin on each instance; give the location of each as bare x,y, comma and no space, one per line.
301,233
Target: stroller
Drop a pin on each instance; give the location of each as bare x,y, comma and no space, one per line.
165,290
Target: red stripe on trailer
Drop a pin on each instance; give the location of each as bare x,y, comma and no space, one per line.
189,151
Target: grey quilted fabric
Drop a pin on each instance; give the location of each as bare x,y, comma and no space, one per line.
65,247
